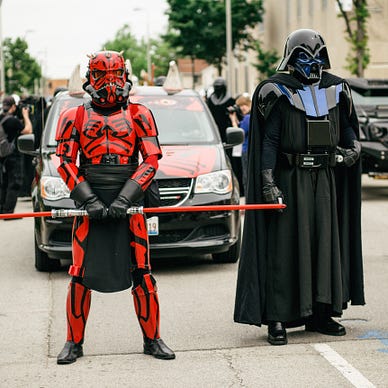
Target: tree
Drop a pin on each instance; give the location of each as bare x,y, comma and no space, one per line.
356,29
22,72
267,60
136,51
197,28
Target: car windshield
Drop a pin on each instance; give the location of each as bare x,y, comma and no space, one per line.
180,119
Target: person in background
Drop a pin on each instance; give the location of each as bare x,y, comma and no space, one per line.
110,247
243,103
11,166
218,103
37,107
302,265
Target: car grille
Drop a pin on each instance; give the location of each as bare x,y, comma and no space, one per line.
202,233
174,191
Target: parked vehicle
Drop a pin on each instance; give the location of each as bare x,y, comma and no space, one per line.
370,98
194,170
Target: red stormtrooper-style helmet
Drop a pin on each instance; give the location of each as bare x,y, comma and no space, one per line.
107,79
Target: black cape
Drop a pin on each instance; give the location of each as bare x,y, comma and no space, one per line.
250,302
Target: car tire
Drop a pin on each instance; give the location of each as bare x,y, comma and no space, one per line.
42,261
231,255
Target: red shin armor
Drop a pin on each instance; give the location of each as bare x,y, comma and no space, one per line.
77,311
147,307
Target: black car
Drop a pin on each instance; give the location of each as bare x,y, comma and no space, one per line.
370,98
194,170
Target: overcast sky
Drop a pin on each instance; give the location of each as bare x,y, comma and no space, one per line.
60,33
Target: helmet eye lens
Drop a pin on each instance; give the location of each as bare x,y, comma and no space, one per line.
303,57
98,74
119,72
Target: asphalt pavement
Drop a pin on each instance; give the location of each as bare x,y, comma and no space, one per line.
197,299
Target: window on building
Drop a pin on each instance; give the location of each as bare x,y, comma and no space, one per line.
324,4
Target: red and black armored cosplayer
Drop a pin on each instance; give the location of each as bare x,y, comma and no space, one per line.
98,146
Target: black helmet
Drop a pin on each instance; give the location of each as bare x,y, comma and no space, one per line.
219,86
305,40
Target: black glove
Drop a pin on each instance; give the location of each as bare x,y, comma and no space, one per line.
271,193
86,199
129,194
351,154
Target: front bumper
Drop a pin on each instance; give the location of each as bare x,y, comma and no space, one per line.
374,156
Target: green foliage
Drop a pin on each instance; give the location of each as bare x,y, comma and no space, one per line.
197,28
267,61
136,52
358,57
22,71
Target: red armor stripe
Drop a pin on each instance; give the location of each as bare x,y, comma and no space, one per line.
150,146
81,230
69,173
77,311
139,241
146,171
147,307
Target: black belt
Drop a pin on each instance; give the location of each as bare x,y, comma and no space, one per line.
311,160
111,160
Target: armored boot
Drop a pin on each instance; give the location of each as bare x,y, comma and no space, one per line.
147,310
77,311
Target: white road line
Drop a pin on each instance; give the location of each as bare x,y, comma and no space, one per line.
347,370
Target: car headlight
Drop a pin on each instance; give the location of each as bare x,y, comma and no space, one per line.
219,182
53,188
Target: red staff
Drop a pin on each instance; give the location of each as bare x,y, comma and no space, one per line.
134,210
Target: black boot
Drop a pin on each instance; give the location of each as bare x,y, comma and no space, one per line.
158,349
277,334
325,325
70,352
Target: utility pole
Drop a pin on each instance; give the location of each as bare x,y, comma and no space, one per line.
229,52
2,77
148,37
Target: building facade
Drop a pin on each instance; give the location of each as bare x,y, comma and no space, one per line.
323,16
284,16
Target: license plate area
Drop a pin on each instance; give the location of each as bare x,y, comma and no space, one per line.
153,226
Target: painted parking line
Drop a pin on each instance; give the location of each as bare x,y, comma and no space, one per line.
348,371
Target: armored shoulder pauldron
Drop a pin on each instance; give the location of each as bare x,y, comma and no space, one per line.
311,99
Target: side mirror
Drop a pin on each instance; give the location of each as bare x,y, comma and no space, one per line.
234,136
26,144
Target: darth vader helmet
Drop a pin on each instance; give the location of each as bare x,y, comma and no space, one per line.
305,55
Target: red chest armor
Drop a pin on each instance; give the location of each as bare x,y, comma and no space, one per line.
113,138
106,135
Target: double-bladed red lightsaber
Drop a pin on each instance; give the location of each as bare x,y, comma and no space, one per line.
141,210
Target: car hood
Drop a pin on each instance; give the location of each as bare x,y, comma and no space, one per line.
190,161
177,161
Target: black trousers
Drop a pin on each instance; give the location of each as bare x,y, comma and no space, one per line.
11,181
